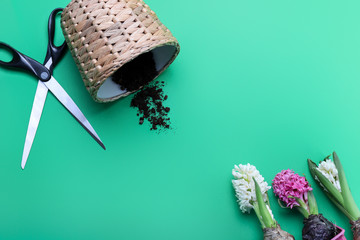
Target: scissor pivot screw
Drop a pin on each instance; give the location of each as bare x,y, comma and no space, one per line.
44,75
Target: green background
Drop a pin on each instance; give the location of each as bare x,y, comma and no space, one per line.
271,83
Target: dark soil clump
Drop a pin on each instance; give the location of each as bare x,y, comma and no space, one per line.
136,73
316,227
149,102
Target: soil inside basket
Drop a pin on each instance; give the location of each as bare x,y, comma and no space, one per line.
136,73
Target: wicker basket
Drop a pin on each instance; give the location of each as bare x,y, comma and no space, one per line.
104,35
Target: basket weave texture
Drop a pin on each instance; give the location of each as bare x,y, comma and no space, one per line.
103,35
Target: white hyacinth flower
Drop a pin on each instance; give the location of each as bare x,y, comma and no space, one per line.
245,187
329,170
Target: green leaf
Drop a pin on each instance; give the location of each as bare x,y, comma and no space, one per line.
266,217
257,212
324,183
329,187
312,167
312,203
349,203
339,206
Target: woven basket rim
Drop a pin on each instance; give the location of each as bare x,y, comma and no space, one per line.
117,67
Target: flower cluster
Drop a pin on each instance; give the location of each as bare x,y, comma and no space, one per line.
329,170
287,185
245,187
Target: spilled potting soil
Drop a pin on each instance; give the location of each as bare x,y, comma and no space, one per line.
149,100
149,103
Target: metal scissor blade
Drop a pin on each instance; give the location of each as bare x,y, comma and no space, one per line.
38,105
70,105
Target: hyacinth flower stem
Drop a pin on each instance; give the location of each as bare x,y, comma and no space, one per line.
349,202
302,208
268,221
313,208
258,214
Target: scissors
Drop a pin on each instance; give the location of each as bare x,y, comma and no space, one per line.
46,82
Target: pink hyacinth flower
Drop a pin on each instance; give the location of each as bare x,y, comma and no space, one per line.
287,183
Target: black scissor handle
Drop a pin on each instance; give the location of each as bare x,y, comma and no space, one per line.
21,61
53,51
